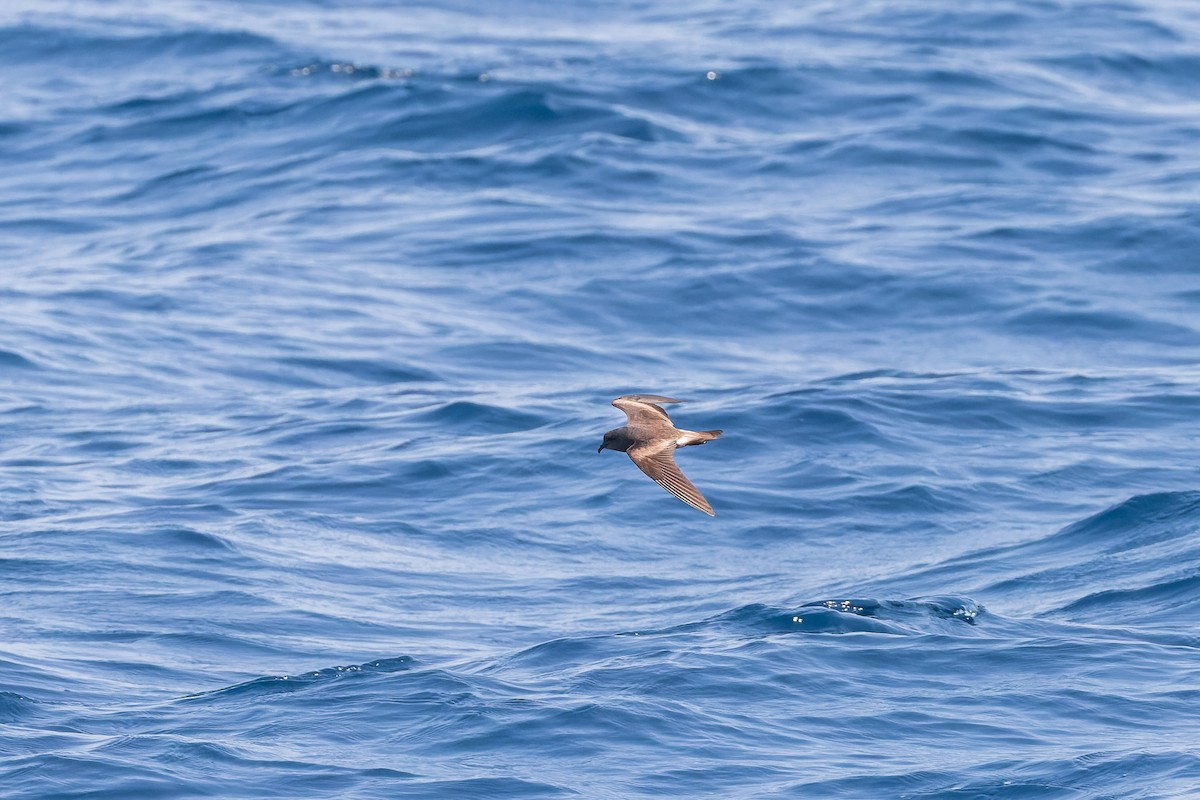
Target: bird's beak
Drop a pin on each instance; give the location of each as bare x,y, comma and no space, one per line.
600,449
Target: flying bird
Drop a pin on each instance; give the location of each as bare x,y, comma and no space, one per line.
650,440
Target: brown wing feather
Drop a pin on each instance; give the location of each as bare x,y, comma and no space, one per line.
641,408
658,461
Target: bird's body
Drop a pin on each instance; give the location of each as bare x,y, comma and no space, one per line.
650,440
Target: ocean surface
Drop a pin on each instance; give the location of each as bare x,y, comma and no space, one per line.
313,311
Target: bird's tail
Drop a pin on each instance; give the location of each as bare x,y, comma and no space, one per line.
696,437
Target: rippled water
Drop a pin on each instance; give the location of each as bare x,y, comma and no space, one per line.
312,315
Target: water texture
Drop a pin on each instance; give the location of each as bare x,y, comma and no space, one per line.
312,312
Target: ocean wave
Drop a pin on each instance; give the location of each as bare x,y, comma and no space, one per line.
313,316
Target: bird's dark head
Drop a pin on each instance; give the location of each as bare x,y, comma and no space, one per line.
615,440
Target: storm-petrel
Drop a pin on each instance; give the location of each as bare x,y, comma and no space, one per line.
650,440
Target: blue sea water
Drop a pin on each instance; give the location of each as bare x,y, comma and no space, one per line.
312,312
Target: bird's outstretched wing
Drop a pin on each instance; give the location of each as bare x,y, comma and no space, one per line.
643,408
657,459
